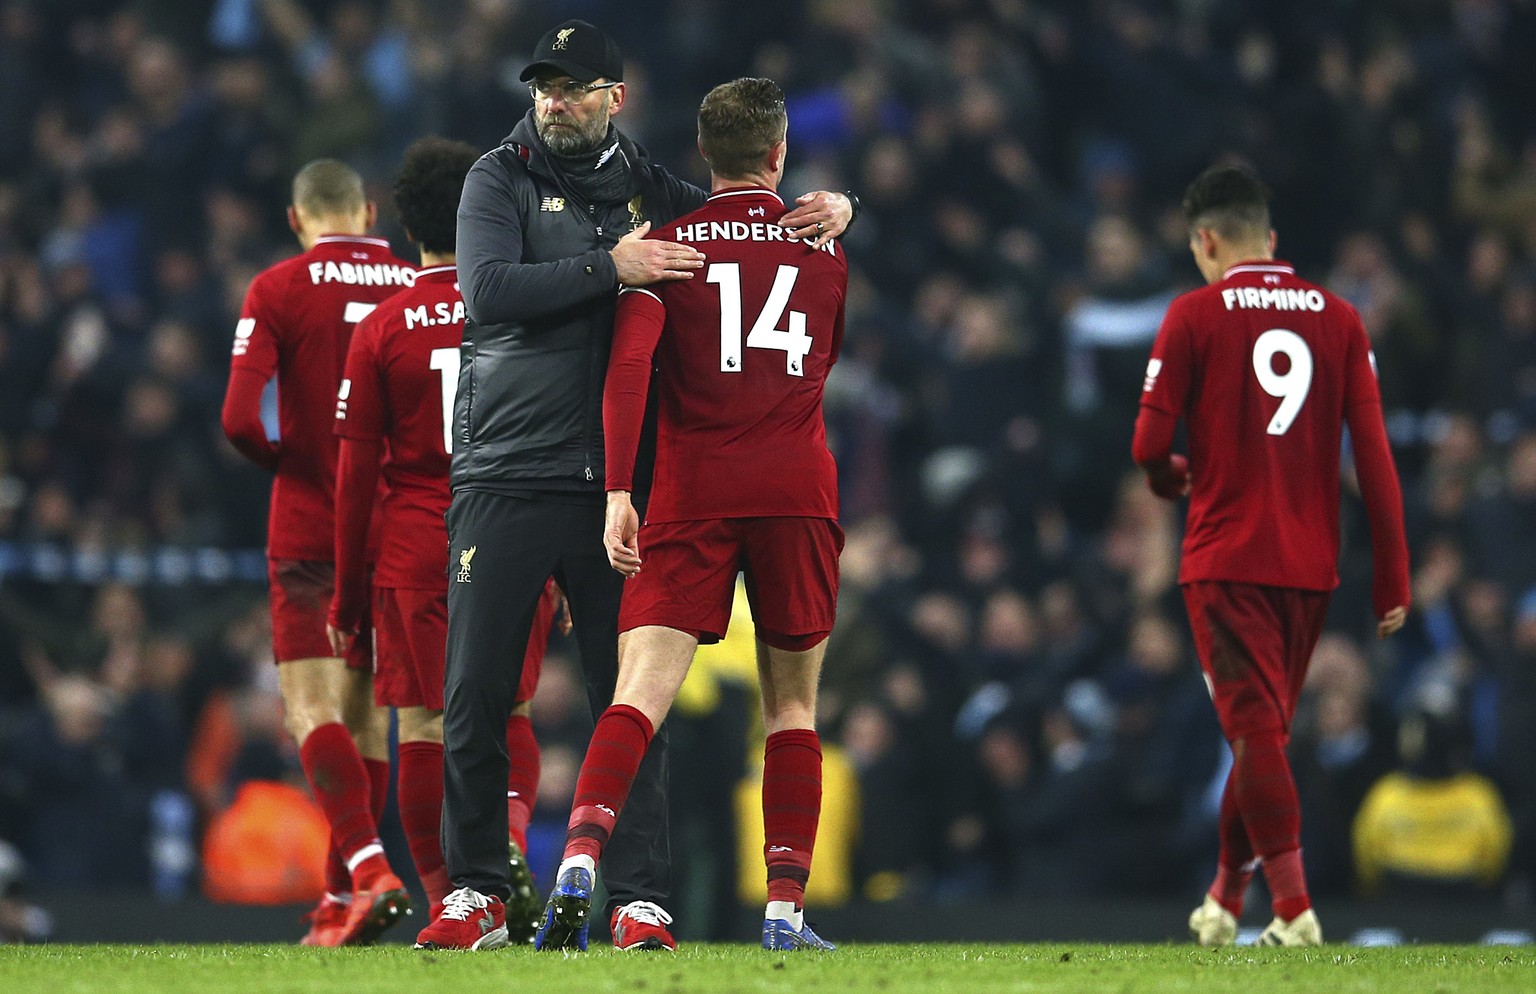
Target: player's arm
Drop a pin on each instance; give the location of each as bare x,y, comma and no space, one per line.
360,430
636,330
357,484
1164,395
1390,588
252,364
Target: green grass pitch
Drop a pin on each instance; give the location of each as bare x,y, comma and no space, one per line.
884,969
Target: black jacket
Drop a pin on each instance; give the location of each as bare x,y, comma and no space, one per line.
539,289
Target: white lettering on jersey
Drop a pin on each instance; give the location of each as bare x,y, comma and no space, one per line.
739,231
442,313
360,274
244,329
1287,299
1154,366
341,400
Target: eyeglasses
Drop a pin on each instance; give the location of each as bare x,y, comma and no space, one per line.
571,92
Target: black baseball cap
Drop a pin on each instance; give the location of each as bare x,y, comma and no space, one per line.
578,50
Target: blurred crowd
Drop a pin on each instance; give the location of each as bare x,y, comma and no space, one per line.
1011,684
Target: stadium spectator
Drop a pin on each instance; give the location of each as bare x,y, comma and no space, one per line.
1433,826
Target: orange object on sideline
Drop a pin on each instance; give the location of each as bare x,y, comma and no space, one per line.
268,847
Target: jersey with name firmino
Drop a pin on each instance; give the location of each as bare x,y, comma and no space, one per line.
1264,367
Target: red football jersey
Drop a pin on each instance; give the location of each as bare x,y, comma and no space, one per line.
402,370
1264,367
742,352
296,323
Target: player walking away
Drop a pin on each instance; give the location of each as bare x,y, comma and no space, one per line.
1267,369
296,323
551,224
402,368
743,481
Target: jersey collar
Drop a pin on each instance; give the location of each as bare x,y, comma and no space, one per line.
437,274
352,240
746,191
1260,266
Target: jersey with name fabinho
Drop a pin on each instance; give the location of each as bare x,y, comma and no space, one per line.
742,353
402,370
296,323
1263,366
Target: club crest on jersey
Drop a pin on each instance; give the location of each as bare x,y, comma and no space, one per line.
465,558
562,39
552,205
757,212
636,213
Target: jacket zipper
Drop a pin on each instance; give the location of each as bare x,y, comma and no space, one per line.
592,377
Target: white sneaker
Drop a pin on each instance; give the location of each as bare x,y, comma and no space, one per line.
1211,924
1303,930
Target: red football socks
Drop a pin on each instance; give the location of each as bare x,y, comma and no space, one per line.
419,795
618,744
378,787
1235,863
1266,795
791,809
522,777
339,780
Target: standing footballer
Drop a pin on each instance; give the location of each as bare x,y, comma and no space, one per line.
1267,369
743,482
295,326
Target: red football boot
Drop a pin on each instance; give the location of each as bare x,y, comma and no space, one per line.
327,921
375,908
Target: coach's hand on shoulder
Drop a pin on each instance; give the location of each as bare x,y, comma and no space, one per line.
1391,622
641,261
818,217
621,525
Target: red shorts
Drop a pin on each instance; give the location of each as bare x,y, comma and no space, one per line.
688,579
1255,643
299,592
411,638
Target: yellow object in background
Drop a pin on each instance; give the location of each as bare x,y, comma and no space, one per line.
837,833
1447,830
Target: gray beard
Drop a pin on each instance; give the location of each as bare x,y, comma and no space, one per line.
571,141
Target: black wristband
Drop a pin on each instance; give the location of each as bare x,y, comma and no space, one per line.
853,201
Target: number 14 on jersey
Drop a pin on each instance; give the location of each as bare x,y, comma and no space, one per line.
765,333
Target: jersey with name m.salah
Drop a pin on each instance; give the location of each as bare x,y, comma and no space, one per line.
296,323
742,353
402,371
1264,367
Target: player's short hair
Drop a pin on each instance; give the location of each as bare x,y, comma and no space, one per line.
428,188
1230,199
326,187
739,122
